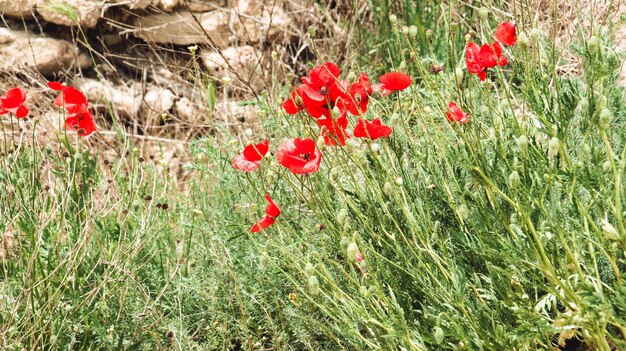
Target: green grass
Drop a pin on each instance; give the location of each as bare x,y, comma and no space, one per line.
507,233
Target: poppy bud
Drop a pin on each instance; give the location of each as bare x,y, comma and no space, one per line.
344,242
352,250
483,13
522,40
606,166
586,150
609,231
226,80
514,180
387,188
553,146
341,216
308,268
274,55
192,49
351,76
458,72
311,31
405,30
579,165
454,26
468,38
393,19
605,118
375,147
463,212
248,132
584,105
438,334
522,144
413,31
320,142
314,285
364,292
429,34
593,44
547,178
399,181
535,34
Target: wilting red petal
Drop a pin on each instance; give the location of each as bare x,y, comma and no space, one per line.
472,58
243,164
271,210
299,155
455,114
371,129
256,152
262,224
82,123
395,81
505,33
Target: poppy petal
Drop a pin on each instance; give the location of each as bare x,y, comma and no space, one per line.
506,33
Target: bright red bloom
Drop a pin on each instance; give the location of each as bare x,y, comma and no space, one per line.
271,212
82,123
13,101
70,98
358,95
371,129
334,130
250,159
473,61
305,98
491,55
322,76
455,114
392,81
505,33
300,156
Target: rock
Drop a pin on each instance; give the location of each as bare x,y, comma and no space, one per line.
133,4
245,60
83,13
159,100
186,110
6,36
46,55
124,100
17,8
181,28
168,5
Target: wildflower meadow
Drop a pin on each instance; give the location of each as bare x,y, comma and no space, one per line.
447,184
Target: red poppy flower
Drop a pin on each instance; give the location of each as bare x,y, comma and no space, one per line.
473,60
505,33
359,94
271,212
300,156
250,159
491,55
455,114
70,98
371,129
334,130
82,123
13,101
392,81
305,98
322,76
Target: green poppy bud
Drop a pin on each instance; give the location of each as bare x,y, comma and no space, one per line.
344,242
429,34
352,250
522,40
405,30
606,166
483,13
412,31
586,151
593,44
320,142
308,268
314,285
514,180
553,146
341,216
458,72
393,19
535,34
387,188
463,212
605,118
522,144
438,334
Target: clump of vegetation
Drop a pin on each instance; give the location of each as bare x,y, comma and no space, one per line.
473,204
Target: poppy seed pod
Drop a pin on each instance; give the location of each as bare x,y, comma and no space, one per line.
483,13
553,146
593,44
605,118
